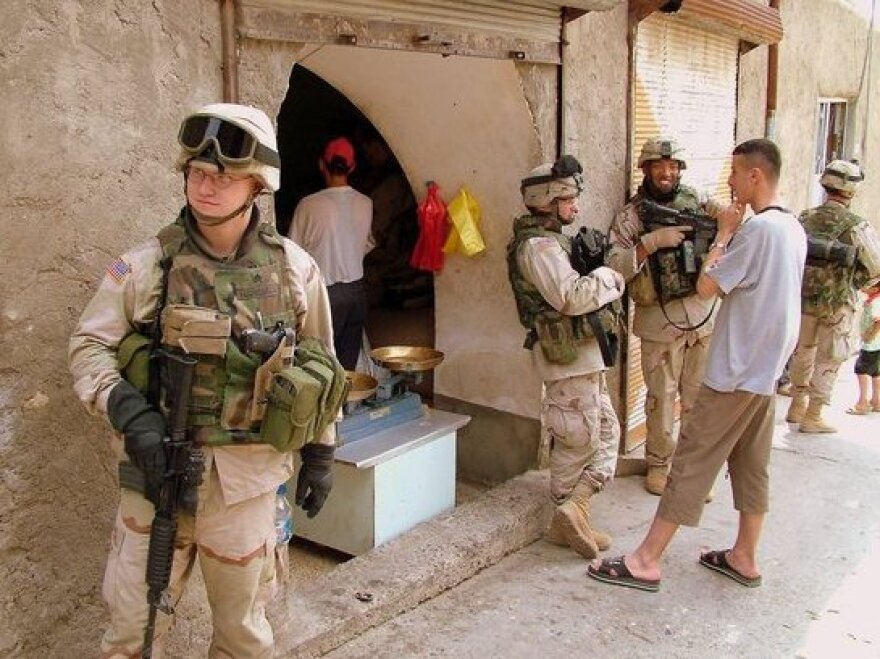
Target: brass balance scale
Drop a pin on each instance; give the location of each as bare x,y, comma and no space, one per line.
373,406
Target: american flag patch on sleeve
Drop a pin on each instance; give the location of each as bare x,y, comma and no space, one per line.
118,270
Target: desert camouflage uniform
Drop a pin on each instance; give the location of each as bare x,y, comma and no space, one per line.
673,360
576,407
232,532
829,299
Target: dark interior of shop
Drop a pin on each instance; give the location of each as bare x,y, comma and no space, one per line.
401,299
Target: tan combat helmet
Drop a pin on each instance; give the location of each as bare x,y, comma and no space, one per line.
842,176
551,181
662,148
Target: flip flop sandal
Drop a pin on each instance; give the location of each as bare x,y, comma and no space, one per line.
717,560
615,572
859,411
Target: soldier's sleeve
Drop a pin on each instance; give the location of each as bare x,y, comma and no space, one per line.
125,302
313,312
623,238
545,264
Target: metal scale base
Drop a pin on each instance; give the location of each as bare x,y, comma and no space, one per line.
370,417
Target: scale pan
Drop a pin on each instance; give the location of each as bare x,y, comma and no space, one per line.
362,386
406,358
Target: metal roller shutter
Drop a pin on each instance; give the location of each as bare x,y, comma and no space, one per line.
684,86
519,29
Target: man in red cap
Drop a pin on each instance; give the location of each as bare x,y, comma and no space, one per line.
333,225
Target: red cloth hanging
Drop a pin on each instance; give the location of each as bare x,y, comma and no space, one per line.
433,227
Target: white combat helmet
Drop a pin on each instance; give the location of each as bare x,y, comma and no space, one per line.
242,138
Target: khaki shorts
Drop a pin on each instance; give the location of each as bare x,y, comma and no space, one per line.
736,427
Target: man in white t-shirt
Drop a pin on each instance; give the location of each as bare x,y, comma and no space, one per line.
756,265
333,225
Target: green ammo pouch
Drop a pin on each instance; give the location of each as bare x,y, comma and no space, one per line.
133,357
556,337
321,363
291,410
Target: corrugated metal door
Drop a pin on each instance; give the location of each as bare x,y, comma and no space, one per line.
531,20
685,86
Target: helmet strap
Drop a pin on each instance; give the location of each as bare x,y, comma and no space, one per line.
217,221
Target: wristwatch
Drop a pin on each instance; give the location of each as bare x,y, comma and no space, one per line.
721,246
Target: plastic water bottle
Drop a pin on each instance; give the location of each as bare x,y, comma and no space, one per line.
283,517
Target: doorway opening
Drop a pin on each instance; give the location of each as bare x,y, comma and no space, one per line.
401,299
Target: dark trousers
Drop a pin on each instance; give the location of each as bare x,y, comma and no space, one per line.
348,305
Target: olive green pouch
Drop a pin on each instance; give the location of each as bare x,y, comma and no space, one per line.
291,410
133,357
556,337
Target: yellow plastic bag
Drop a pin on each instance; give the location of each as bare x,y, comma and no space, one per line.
464,235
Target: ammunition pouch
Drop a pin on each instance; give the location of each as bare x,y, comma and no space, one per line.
556,337
560,336
197,330
675,270
304,399
133,357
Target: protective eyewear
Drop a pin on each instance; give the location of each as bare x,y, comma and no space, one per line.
565,167
234,144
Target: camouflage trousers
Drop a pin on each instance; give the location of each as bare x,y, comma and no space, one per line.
235,548
584,433
670,369
823,345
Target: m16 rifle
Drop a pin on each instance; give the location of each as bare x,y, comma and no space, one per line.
832,251
588,248
178,489
675,270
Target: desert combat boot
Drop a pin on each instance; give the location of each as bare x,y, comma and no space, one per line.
571,521
797,409
813,421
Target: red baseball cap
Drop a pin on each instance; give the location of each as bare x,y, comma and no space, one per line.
339,148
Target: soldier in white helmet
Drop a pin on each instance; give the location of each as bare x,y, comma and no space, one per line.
553,300
218,271
675,334
843,256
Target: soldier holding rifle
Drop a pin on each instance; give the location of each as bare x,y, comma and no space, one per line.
660,262
203,440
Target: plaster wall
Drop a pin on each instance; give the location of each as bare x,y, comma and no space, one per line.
93,95
819,63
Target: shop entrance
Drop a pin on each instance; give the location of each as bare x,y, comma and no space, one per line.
401,299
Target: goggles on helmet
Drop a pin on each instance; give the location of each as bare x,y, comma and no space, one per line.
234,144
565,167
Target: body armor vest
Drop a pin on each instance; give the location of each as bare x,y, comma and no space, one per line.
251,291
533,309
827,286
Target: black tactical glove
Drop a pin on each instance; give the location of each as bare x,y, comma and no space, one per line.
143,429
315,477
